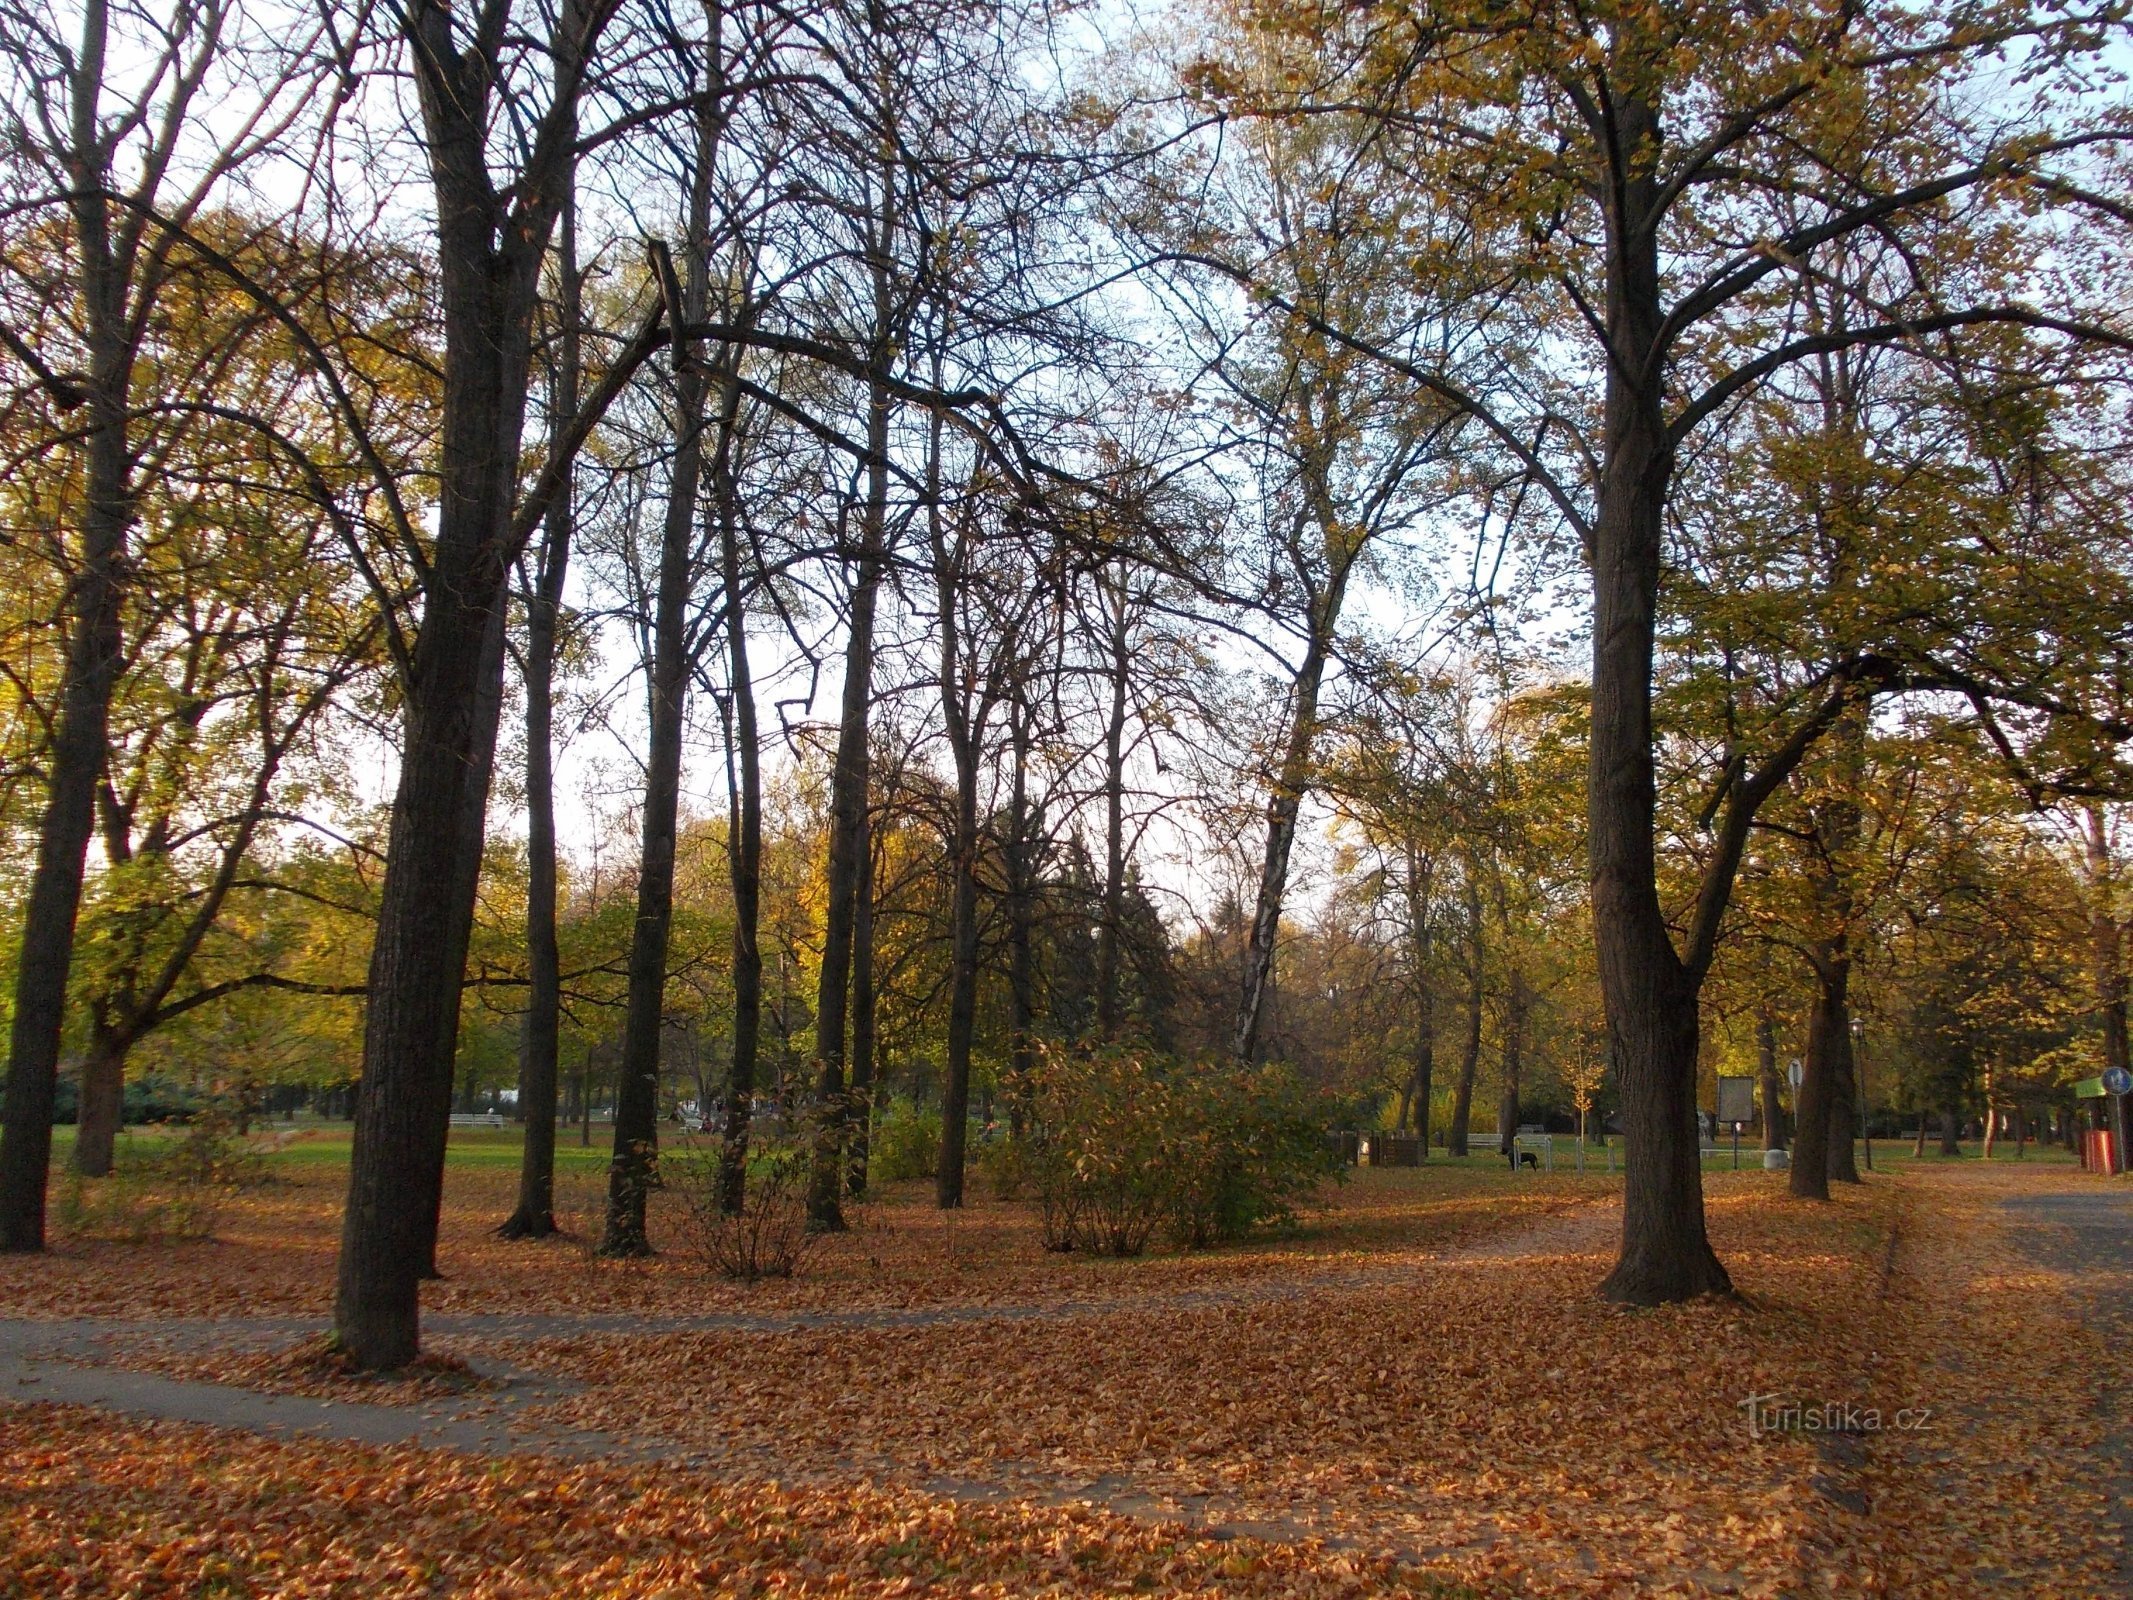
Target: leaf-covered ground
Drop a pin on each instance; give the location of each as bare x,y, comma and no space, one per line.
1419,1392
274,1246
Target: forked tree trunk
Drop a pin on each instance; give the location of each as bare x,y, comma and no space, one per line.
1650,993
963,713
490,245
848,819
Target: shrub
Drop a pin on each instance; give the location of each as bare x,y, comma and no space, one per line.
905,1143
1248,1144
768,1236
1119,1143
166,1194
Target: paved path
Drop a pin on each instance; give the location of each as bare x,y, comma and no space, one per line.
2087,1234
69,1361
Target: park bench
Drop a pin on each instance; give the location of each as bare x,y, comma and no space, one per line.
477,1119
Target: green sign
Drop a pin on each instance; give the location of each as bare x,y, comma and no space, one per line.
2089,1089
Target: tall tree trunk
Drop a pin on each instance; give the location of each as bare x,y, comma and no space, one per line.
1514,1041
1769,1085
1020,908
962,979
490,245
1951,1130
103,1100
848,805
744,856
2106,941
965,724
1291,780
634,1169
1110,929
861,1131
1650,992
89,676
1822,1136
1470,1049
540,1039
1422,1075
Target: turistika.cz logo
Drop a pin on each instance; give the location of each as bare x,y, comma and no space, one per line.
1773,1413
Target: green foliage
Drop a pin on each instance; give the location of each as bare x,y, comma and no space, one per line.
906,1142
1121,1143
1247,1146
172,1191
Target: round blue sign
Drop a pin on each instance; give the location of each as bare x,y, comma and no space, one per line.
2118,1081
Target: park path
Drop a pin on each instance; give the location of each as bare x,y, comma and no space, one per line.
73,1362
2086,1236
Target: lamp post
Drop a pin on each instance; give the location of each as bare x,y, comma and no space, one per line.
1866,1129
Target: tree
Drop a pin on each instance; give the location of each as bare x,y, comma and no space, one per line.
77,116
1618,166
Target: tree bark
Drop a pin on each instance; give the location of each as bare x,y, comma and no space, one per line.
1110,930
2106,940
103,1098
860,1132
634,1169
1822,1138
1470,1051
1768,1082
1514,1030
965,724
90,674
848,801
744,858
540,1039
1421,1087
1650,993
962,980
1021,900
490,245
1291,780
